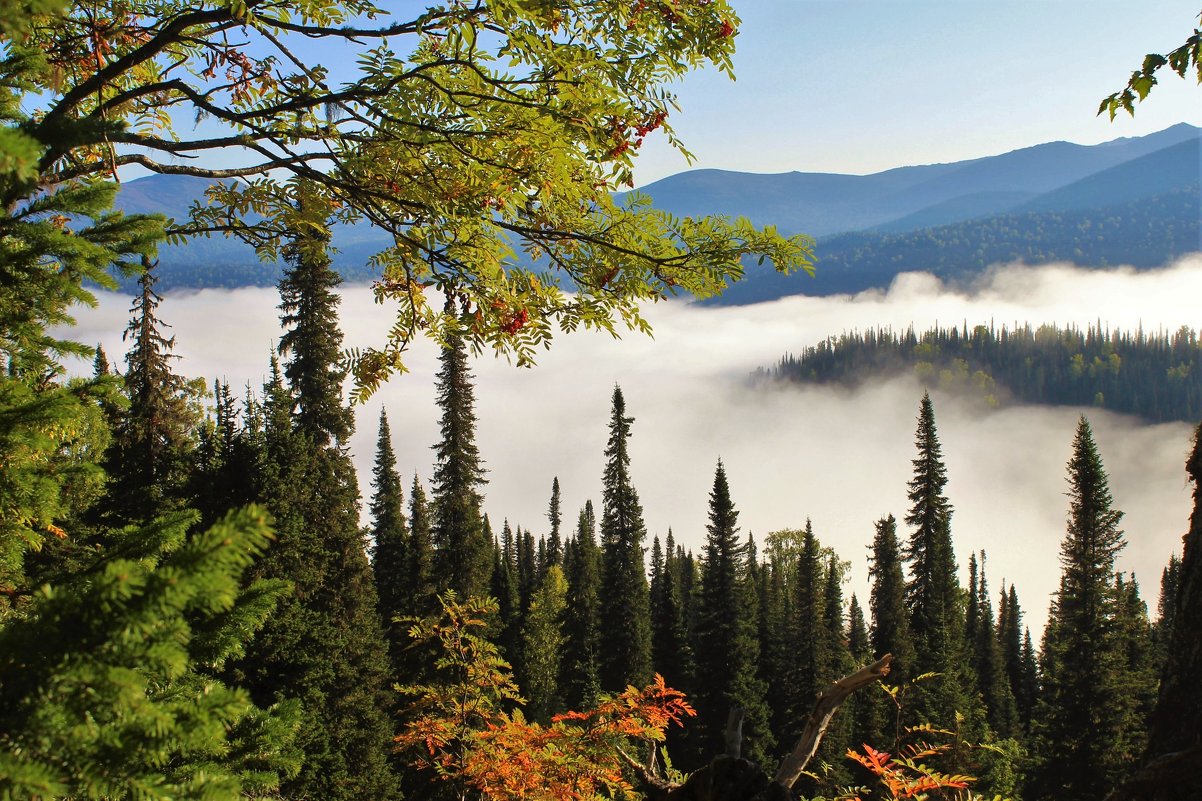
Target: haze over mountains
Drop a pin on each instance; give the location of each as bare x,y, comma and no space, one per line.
1133,201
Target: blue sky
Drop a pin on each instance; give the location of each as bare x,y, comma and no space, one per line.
861,86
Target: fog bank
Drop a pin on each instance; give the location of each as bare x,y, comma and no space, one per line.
839,457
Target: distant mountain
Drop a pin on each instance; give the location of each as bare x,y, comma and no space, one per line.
1093,205
822,204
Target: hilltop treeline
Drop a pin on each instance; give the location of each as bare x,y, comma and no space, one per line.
1157,376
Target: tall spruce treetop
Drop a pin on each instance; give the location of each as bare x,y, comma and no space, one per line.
148,456
554,554
312,341
582,624
463,560
890,632
933,592
626,604
390,541
1080,735
325,646
723,668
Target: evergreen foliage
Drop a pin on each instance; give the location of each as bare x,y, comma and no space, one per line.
890,632
1079,722
461,551
727,646
391,543
153,439
993,681
325,646
581,682
626,604
107,687
1157,376
554,548
1176,722
1010,641
421,551
933,593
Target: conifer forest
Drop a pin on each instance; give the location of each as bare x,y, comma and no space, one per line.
197,603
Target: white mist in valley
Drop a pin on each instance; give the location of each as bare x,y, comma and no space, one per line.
839,457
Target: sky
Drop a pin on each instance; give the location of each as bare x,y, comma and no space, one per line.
839,457
858,87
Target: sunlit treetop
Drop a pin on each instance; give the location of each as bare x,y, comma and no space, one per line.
480,135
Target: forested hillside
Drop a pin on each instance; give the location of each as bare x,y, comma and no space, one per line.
1144,233
1157,376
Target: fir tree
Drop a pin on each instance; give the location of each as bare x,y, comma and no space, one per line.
866,711
582,625
1010,639
555,518
106,684
806,643
625,605
727,646
390,545
1079,734
504,587
993,681
673,653
311,344
890,632
933,594
153,440
325,645
461,550
1176,722
421,552
836,662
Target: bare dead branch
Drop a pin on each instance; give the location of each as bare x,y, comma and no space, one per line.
824,709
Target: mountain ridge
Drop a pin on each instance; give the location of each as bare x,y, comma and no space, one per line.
1051,179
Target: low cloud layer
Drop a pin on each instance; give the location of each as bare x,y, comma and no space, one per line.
839,457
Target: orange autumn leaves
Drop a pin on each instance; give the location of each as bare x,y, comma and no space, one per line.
468,727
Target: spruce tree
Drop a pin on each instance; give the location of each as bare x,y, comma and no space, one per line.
107,686
1078,733
890,633
581,683
836,662
727,647
993,681
933,594
504,587
807,644
625,605
325,645
153,439
421,552
554,554
390,556
1176,722
673,653
866,710
460,547
1010,640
